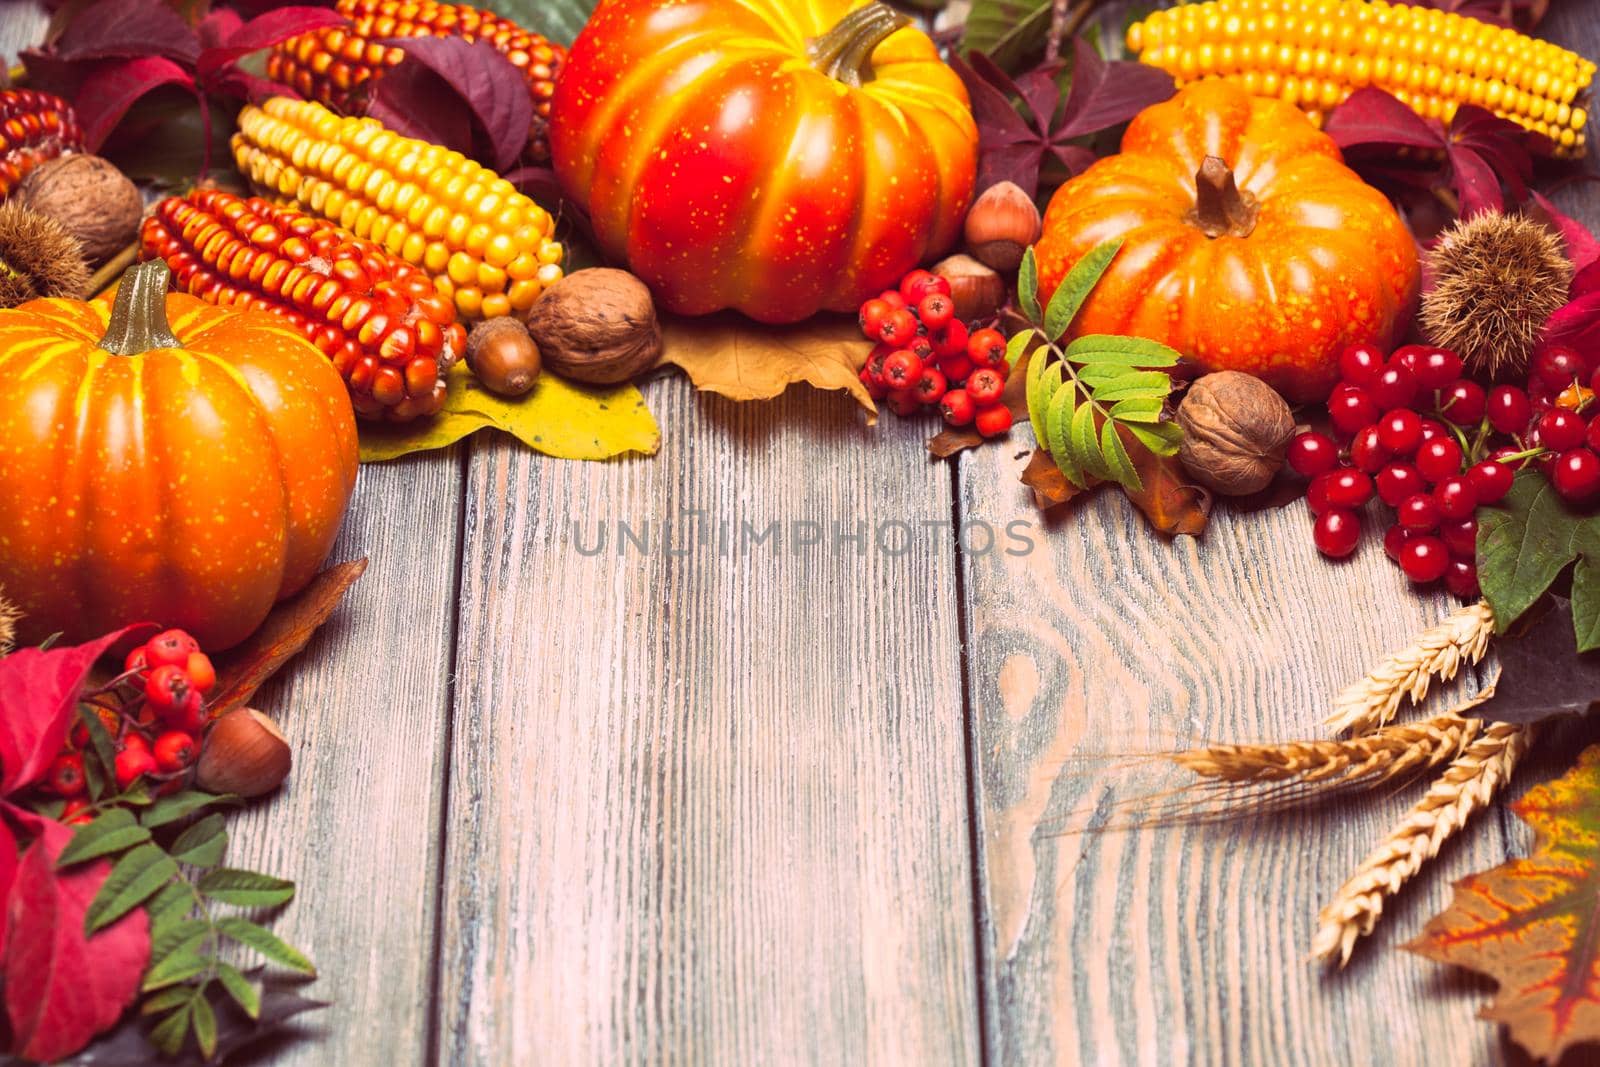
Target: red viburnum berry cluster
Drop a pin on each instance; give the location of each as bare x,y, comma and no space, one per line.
925,356
153,713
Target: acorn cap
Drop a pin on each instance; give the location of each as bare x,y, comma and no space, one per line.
38,257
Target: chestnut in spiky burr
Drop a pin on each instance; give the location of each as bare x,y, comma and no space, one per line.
1496,279
38,257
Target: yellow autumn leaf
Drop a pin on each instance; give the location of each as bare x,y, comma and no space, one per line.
745,360
557,417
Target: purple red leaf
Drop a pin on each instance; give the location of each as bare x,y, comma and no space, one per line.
1371,117
263,31
1106,94
492,89
111,89
127,29
1582,247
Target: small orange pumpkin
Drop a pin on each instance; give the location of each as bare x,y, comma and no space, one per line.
190,474
1247,243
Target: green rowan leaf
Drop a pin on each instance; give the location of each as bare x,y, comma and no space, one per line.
114,831
205,1027
1058,420
245,888
1127,351
168,1035
1137,410
178,967
134,879
1085,442
1161,438
183,937
1028,287
265,942
169,907
1117,460
101,748
1076,287
181,805
202,844
1136,385
165,1000
241,989
1042,388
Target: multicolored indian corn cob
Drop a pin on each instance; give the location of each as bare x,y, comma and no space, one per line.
331,66
1314,53
34,127
387,330
488,248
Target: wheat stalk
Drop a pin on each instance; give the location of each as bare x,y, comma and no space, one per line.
1374,701
1465,787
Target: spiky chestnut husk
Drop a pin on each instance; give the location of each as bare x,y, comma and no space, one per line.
9,614
38,257
1496,279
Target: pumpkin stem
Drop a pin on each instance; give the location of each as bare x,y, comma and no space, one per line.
139,317
844,53
1220,207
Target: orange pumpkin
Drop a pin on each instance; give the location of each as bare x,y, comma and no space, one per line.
1247,243
190,474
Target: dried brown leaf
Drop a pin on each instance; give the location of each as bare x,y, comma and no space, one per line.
1169,501
745,360
1050,487
286,631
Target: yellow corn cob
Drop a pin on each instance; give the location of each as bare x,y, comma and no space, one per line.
1314,53
488,248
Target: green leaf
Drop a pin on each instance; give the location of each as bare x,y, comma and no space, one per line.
135,878
168,1035
1128,351
1042,386
1058,425
178,967
1076,287
205,1027
245,888
181,938
1586,603
1028,287
202,844
1085,442
1139,410
1009,31
181,805
112,832
557,417
169,907
1525,542
1163,438
265,942
95,780
241,989
100,745
1018,347
1117,458
1136,385
165,1000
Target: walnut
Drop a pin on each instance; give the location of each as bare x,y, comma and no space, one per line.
1235,430
596,325
91,198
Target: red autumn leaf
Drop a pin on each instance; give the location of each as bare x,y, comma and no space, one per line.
491,89
237,40
38,696
127,29
61,987
1371,117
1530,923
10,857
1582,247
111,89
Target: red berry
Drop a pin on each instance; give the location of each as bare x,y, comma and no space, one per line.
1591,436
1367,452
170,646
874,384
1396,387
1576,474
898,328
936,310
930,387
893,298
1561,430
136,660
168,687
1409,356
1311,454
201,672
921,283
1396,482
871,317
1439,459
1003,369
174,750
1557,367
1360,364
1424,559
1463,403
951,340
1352,409
65,776
1509,409
993,421
922,348
132,763
985,386
1400,431
1461,578
1455,497
1432,428
987,348
1460,537
903,402
1394,539
76,812
1349,488
901,370
957,407
1436,368
1337,532
956,368
1317,493
1418,512
1594,382
1491,481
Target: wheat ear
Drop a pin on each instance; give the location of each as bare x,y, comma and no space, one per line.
1465,787
1374,701
8,623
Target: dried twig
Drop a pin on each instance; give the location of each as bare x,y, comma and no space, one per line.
112,269
1465,787
1439,653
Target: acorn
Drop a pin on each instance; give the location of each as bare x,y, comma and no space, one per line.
90,197
38,257
244,753
1001,224
503,356
978,291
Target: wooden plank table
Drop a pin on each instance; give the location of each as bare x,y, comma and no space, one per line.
714,799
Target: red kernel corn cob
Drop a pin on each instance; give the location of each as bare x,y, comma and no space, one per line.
388,331
34,127
332,66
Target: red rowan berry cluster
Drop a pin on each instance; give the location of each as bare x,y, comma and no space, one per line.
153,714
925,356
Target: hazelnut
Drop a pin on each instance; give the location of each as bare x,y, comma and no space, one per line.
597,325
244,753
1235,430
978,292
90,197
1001,225
503,356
